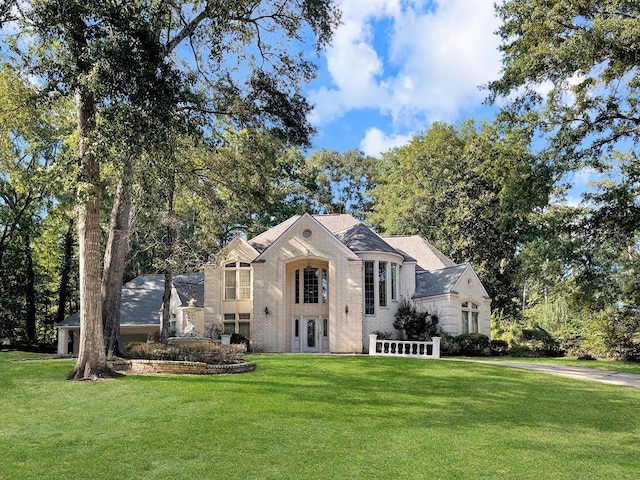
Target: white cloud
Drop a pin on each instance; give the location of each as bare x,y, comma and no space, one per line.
415,61
375,142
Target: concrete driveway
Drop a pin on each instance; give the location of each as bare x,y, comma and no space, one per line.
603,376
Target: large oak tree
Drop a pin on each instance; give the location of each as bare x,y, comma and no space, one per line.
242,61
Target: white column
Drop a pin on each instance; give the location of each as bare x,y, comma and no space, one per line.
373,338
436,347
63,340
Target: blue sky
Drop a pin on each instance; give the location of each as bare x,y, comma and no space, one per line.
397,66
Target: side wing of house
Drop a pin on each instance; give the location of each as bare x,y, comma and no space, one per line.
228,290
458,297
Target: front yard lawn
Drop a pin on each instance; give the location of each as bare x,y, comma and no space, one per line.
324,417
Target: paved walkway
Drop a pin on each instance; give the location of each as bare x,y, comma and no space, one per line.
603,376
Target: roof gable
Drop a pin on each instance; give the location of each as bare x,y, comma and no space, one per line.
303,219
333,223
438,282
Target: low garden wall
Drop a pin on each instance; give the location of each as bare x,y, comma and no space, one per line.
177,367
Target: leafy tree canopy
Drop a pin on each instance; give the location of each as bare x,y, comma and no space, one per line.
578,60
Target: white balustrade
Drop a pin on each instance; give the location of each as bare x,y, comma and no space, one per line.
404,348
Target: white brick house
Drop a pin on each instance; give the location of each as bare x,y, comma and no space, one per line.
323,283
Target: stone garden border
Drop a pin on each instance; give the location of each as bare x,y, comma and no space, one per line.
177,367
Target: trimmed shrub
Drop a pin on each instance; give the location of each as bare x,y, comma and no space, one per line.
473,344
448,344
211,353
499,347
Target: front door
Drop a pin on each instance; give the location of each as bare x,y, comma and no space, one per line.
310,335
310,330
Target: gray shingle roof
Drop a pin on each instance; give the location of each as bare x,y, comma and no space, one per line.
360,238
332,222
190,287
437,282
142,299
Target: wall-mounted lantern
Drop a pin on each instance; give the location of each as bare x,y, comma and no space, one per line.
346,309
266,311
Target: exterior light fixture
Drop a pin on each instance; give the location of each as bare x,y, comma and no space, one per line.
266,311
346,309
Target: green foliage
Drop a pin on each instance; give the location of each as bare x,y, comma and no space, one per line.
470,192
615,334
473,344
416,323
384,335
586,52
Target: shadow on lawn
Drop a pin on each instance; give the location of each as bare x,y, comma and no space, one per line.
412,393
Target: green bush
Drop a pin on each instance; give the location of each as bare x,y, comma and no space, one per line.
384,335
448,344
473,344
615,334
540,342
211,353
237,339
418,324
499,347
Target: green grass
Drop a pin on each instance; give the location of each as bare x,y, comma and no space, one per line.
325,417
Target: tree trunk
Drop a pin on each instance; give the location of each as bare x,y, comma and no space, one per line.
30,289
114,259
65,273
92,361
168,275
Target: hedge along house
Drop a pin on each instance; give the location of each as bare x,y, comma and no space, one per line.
323,283
141,310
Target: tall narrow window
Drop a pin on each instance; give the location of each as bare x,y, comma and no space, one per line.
230,282
244,324
237,281
382,283
244,284
325,286
369,289
394,281
469,317
310,285
297,287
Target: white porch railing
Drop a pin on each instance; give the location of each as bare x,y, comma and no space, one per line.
404,348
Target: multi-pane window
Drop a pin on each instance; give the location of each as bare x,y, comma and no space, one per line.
240,324
469,312
369,288
237,281
314,283
310,287
382,284
229,323
394,281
